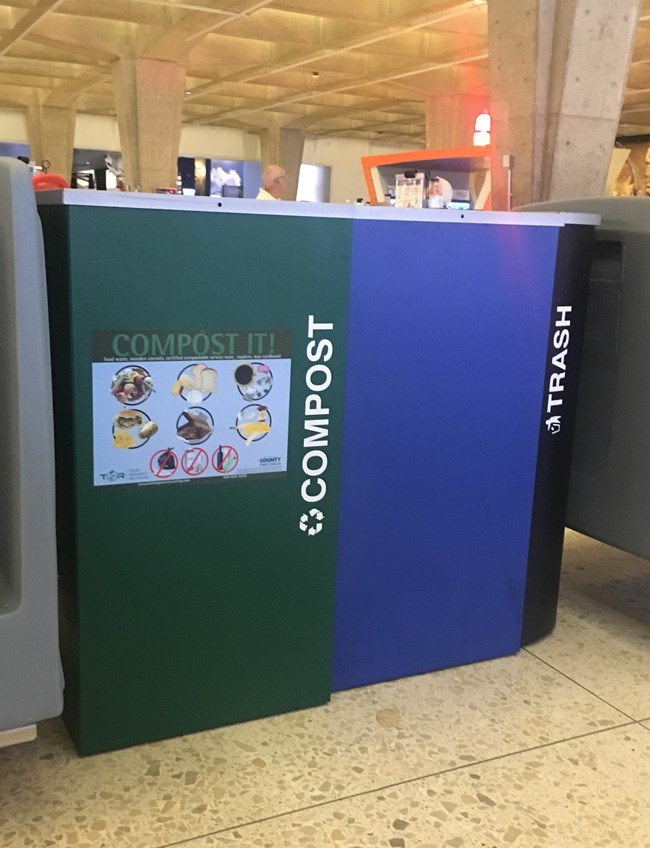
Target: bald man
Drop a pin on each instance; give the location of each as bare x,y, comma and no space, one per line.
274,183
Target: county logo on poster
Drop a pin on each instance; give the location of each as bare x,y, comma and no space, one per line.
189,406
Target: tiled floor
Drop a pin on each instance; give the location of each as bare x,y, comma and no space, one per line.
548,748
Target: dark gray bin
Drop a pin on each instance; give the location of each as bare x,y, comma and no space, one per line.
609,494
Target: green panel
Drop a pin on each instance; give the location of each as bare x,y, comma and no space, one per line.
201,604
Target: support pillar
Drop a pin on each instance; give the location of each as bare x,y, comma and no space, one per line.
149,97
50,132
281,146
557,80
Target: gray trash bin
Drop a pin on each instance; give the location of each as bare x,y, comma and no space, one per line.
31,682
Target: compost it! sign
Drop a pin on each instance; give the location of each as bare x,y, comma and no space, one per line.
188,406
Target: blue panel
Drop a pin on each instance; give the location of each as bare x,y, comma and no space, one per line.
447,350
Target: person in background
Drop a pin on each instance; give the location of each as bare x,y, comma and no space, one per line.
274,183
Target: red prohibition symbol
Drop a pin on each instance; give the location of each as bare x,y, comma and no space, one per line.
225,459
164,464
195,461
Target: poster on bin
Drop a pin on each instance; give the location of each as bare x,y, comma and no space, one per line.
172,407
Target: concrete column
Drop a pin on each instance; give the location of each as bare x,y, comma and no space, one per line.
149,98
593,48
557,80
284,147
520,35
450,120
50,132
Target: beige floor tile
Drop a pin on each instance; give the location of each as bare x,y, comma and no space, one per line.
365,739
585,793
602,638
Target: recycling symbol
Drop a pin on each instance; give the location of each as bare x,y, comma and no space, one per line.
554,424
312,522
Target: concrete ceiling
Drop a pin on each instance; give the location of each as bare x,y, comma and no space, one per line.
359,68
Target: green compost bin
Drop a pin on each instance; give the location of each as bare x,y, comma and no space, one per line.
198,367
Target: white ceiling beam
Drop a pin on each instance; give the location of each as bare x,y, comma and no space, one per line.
98,56
176,41
421,67
42,67
451,10
123,10
92,37
641,95
67,93
320,115
27,22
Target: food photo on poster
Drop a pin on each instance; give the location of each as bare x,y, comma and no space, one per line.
161,414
